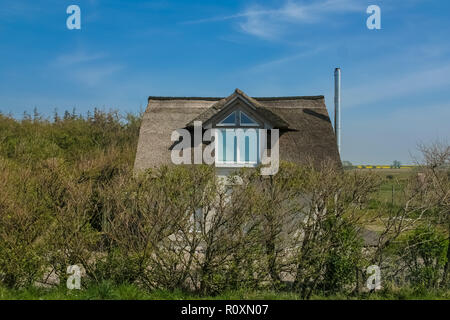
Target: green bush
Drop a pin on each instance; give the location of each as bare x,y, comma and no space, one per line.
68,195
343,261
426,249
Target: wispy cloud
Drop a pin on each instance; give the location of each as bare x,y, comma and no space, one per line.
68,59
287,59
269,22
92,76
87,68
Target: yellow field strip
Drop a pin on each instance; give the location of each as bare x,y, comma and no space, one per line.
383,167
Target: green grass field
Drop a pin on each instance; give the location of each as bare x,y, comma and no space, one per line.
394,181
388,195
107,291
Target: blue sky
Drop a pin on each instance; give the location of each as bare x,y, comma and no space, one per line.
395,81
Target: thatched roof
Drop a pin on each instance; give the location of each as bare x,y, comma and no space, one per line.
306,133
276,120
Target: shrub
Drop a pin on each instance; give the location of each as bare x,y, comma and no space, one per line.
22,248
425,251
68,195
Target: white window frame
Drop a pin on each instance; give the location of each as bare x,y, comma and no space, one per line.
237,120
237,164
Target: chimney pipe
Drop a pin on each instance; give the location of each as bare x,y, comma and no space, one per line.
337,107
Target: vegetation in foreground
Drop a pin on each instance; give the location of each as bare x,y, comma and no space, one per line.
111,291
69,196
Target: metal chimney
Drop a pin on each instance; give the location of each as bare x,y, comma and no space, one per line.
337,107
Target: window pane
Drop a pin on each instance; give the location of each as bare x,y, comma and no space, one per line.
246,120
235,149
227,145
247,149
238,145
230,145
222,145
230,120
253,146
248,145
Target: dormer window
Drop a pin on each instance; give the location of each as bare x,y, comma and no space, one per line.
237,122
237,145
238,118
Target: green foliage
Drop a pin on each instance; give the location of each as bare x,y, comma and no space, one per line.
426,250
69,196
133,292
31,140
343,260
396,164
21,244
347,165
49,173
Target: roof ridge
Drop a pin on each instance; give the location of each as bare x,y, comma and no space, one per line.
290,98
220,98
183,98
220,104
